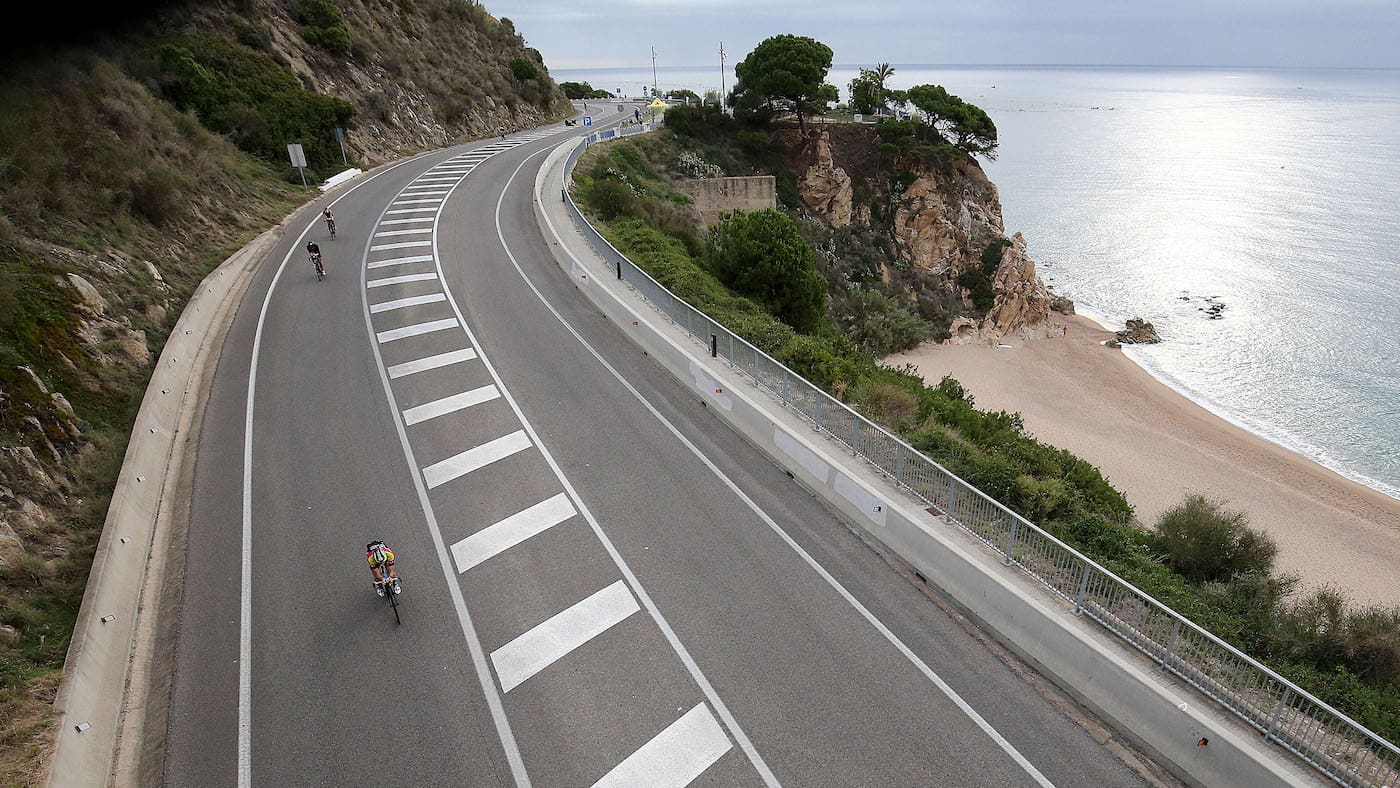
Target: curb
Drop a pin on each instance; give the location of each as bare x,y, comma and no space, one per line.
93,694
1164,717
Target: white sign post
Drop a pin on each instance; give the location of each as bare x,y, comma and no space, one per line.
298,157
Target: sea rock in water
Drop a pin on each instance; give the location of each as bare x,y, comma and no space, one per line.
1138,332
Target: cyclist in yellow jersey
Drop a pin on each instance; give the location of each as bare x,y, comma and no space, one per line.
381,564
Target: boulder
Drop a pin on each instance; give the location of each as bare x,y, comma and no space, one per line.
1062,305
93,301
1021,300
1138,332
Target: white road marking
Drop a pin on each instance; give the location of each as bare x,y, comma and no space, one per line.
400,245
499,537
415,330
452,404
675,756
431,362
407,221
424,191
433,201
550,641
399,262
462,170
415,210
398,280
392,233
404,303
440,473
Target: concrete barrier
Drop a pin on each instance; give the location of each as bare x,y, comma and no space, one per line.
1198,741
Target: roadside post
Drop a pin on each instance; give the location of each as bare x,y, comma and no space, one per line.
340,137
298,157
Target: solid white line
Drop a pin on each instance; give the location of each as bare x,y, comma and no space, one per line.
454,590
407,221
414,210
431,362
416,330
452,404
499,537
245,578
398,280
692,666
392,233
553,639
434,201
456,466
753,506
675,757
401,245
417,258
404,303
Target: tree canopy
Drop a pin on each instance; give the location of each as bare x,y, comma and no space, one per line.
583,90
783,73
763,255
964,125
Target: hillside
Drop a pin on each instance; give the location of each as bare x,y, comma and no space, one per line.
137,151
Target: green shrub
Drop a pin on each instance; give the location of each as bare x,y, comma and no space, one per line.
979,288
762,255
323,25
991,256
524,70
609,198
1206,543
156,196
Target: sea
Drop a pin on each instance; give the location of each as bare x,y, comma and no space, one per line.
1250,214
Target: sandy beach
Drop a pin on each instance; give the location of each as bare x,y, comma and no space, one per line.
1157,446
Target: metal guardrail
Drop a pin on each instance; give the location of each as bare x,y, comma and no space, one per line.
1282,712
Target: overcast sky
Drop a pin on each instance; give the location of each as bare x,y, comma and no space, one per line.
620,33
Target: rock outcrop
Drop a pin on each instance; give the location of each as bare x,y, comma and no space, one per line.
1022,301
1138,332
826,188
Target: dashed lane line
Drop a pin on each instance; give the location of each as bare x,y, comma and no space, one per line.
674,757
459,465
394,334
452,404
431,362
501,536
565,631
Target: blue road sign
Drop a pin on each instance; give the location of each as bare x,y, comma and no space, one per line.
588,120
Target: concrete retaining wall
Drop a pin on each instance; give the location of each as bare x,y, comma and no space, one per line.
713,197
1121,686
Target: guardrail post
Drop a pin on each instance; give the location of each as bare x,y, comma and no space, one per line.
1278,712
855,436
899,464
1171,641
817,412
731,348
1009,551
563,194
714,346
687,323
952,501
785,384
1083,589
619,270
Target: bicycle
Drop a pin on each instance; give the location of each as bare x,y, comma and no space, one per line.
391,593
319,266
330,225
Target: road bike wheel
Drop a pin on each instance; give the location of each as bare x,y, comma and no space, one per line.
393,601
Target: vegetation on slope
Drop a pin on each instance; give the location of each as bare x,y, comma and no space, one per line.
138,149
1201,559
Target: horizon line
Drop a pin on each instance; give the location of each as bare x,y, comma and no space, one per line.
702,66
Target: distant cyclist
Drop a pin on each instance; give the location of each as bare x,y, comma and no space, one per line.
313,253
330,221
381,565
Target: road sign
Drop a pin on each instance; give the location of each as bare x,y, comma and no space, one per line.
621,108
588,120
298,157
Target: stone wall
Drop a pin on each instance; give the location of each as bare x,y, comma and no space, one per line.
714,197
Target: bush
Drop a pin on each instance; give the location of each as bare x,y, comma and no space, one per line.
762,255
523,70
323,25
1206,543
156,196
609,198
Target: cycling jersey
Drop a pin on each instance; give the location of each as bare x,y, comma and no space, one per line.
380,555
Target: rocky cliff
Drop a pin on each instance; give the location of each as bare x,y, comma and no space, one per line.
944,218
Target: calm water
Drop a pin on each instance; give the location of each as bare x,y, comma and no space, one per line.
1159,192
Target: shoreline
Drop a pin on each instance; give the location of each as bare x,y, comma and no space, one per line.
1157,444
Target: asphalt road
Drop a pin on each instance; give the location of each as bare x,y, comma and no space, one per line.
584,598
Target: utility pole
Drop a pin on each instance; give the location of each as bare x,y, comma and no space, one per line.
721,77
653,73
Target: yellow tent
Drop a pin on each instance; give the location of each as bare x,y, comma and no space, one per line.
656,104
